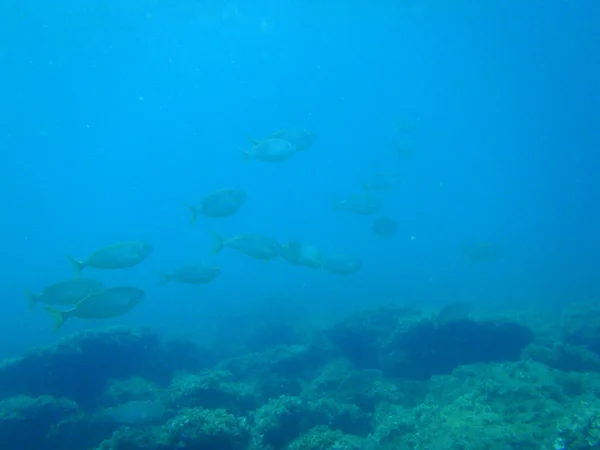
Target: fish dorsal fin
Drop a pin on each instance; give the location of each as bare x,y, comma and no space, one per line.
254,142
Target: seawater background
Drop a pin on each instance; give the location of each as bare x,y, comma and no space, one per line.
115,113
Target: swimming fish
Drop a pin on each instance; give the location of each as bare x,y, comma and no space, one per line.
222,203
301,254
67,292
300,137
116,256
106,304
341,264
271,149
253,245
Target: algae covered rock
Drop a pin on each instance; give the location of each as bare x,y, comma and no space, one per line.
120,391
565,357
78,367
493,406
580,431
406,343
360,336
581,326
211,389
425,348
323,438
282,420
191,428
287,361
26,421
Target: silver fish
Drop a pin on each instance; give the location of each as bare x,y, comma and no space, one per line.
67,292
271,150
116,256
222,203
254,245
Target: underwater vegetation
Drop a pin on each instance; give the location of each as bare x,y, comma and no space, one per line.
387,378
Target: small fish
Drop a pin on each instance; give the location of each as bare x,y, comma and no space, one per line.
195,274
301,254
271,150
253,245
106,304
341,264
222,203
116,256
385,226
300,137
67,292
362,204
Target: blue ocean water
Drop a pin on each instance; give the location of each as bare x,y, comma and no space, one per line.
114,114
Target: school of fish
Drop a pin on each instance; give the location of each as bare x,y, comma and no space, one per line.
88,298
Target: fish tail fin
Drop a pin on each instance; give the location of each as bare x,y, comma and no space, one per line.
219,242
77,265
193,213
31,299
60,317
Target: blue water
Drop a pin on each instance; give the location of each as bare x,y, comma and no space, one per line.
113,114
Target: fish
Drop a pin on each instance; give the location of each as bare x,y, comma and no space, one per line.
362,204
341,264
67,292
117,256
271,149
301,254
300,137
253,245
194,274
382,181
384,226
222,203
137,412
106,304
